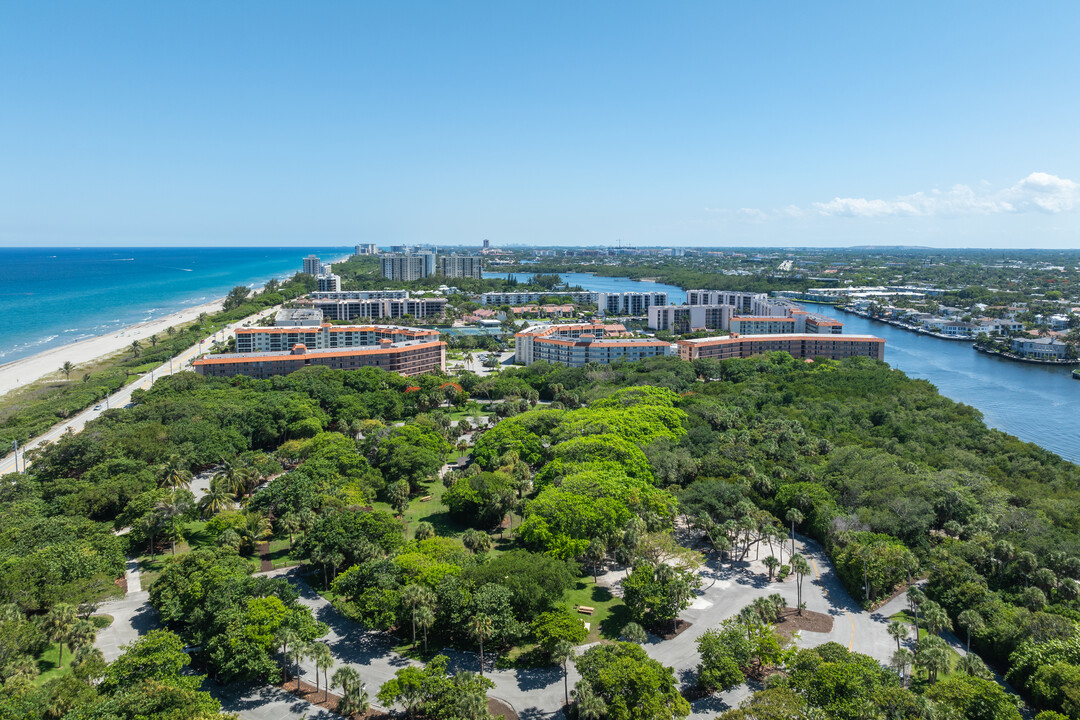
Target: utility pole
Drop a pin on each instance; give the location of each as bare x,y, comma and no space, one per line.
15,445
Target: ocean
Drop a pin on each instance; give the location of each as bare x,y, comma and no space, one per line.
55,296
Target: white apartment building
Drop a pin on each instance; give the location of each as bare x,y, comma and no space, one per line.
407,268
460,266
629,303
328,283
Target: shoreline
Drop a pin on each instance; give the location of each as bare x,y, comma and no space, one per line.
20,373
25,371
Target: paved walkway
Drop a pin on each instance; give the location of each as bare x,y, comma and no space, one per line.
538,692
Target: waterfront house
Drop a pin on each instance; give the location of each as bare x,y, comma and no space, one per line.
1044,348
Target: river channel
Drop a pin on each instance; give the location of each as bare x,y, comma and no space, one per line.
1036,403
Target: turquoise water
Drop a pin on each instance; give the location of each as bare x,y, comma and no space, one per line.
55,296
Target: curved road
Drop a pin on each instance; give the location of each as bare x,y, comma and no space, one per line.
538,692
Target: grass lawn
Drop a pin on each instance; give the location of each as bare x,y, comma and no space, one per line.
48,661
920,675
610,614
432,511
279,553
47,664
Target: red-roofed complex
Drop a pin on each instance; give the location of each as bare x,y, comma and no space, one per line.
265,352
834,347
578,344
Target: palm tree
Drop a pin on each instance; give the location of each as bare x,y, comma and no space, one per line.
286,637
324,660
424,531
794,517
771,563
153,340
175,474
255,529
88,663
563,654
290,523
933,656
590,706
425,618
749,618
82,634
58,624
136,348
898,631
471,705
296,653
900,660
415,596
171,512
24,667
970,620
632,632
229,477
935,618
480,627
915,597
972,664
801,568
67,368
354,697
595,553
216,499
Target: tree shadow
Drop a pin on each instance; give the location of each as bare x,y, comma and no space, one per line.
612,625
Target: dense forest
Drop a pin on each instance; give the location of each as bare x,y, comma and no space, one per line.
583,467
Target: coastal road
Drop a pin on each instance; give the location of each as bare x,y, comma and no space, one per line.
123,396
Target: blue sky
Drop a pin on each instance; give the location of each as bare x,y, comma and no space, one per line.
688,123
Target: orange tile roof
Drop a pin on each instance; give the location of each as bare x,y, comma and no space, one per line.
286,355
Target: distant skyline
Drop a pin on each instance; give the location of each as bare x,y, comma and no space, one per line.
689,124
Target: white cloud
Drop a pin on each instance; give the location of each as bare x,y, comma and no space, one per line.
1039,192
753,213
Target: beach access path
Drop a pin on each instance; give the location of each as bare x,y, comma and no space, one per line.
21,373
123,396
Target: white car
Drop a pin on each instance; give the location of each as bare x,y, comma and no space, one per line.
98,407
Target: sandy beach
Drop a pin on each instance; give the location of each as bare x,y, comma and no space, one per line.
22,372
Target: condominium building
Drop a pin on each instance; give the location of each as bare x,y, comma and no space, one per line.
326,337
366,249
407,358
822,325
684,318
798,345
312,266
360,295
328,283
461,266
756,325
407,268
579,344
372,309
743,313
524,298
629,303
750,303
